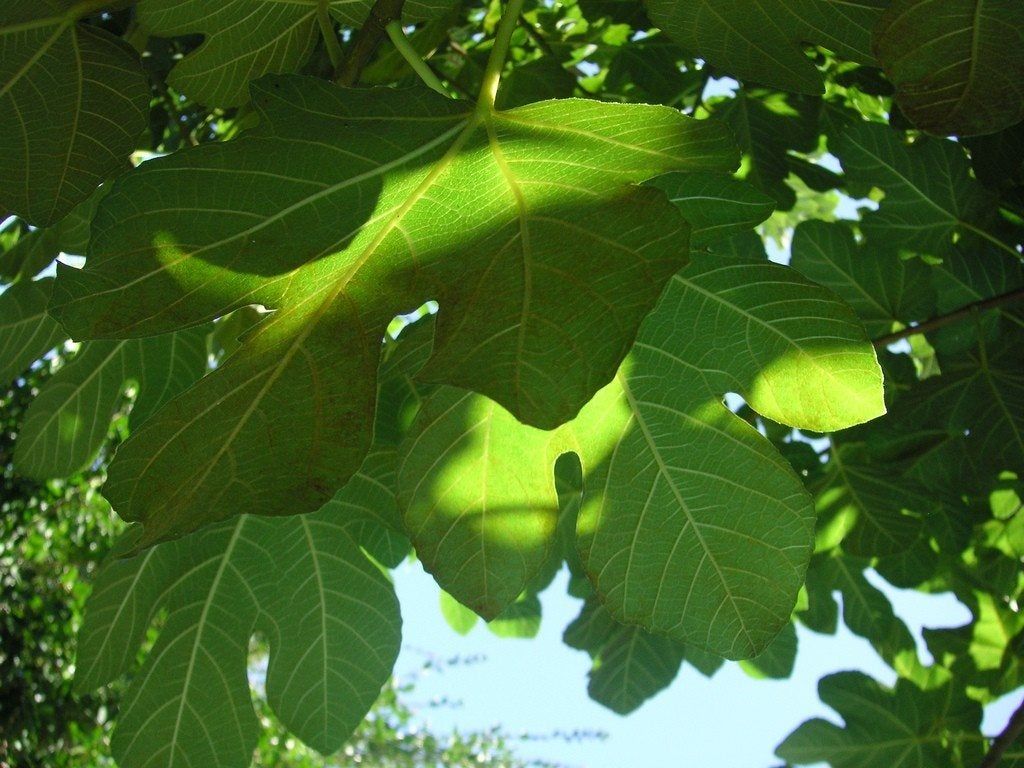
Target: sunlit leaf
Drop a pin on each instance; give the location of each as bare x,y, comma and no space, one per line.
342,235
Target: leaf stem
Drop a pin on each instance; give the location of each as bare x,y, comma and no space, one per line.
496,62
1002,742
412,57
951,317
330,36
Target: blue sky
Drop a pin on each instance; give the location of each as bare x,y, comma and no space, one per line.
539,686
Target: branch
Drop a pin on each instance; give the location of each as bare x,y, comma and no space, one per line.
1004,740
368,38
957,314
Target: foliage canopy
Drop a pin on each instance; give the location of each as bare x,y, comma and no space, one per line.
488,283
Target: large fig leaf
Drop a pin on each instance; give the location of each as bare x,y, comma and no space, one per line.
762,40
904,727
344,208
678,490
958,65
73,98
330,615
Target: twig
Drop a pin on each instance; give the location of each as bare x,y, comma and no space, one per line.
1004,740
368,38
951,317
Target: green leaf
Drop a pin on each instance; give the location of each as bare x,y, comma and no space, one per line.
979,397
630,665
543,78
873,510
968,274
350,216
66,423
777,660
883,727
520,620
794,352
867,612
648,71
679,490
74,100
883,289
478,498
369,499
986,651
929,194
690,494
26,331
767,127
763,40
37,249
459,617
958,65
246,39
331,618
717,206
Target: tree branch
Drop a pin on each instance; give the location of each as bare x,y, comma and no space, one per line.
951,317
368,38
1004,740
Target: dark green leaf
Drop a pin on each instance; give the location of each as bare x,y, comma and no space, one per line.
74,100
762,40
958,65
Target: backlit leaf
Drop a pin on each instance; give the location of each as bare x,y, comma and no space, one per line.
343,234
677,489
331,618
